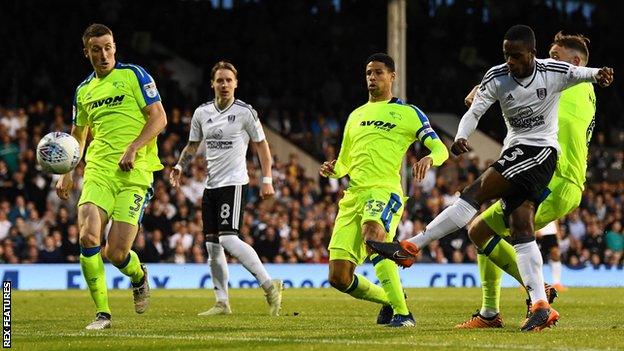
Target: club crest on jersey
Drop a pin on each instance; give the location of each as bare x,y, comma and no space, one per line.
541,93
118,85
231,118
395,115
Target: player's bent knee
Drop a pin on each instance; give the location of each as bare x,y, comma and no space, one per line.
89,240
116,257
340,280
480,233
212,238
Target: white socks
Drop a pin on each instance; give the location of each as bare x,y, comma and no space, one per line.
555,267
248,257
451,219
530,263
218,270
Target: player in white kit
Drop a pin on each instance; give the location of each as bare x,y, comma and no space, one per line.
528,91
226,125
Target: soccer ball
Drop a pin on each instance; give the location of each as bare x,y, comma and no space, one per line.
58,153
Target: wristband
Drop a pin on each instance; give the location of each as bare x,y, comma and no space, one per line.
178,167
267,180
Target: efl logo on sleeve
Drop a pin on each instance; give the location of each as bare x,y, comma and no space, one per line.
6,314
150,89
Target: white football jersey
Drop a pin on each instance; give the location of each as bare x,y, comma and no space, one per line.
226,136
529,105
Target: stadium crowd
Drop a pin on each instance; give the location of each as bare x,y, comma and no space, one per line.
305,97
295,226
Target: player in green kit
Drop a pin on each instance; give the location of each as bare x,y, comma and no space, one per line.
120,105
577,106
376,137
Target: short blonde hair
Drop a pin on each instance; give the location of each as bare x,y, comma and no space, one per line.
223,65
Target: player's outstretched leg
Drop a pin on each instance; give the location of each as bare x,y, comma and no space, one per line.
402,253
246,255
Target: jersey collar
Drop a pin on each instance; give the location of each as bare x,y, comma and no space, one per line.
532,78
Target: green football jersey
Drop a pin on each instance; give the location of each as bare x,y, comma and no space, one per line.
376,137
112,108
577,107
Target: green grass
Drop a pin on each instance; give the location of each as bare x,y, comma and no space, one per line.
312,319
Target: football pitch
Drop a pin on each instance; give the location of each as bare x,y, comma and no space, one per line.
312,319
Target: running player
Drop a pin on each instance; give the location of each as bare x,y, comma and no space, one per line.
376,136
120,105
577,106
528,91
225,125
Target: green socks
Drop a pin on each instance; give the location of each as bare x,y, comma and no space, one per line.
362,288
490,283
388,274
132,268
503,255
93,272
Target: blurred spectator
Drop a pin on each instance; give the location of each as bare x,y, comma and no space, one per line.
50,253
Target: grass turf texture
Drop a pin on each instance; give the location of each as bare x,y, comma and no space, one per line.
312,319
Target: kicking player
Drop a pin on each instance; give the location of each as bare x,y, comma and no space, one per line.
376,136
577,106
120,105
528,91
225,125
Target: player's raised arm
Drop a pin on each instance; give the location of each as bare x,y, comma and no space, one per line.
577,74
484,97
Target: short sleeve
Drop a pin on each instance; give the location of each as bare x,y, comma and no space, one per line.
79,115
196,130
253,127
425,130
144,88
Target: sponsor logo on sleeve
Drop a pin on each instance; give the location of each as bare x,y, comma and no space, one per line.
150,89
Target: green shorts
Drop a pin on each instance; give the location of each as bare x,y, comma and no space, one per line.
122,200
564,197
381,205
